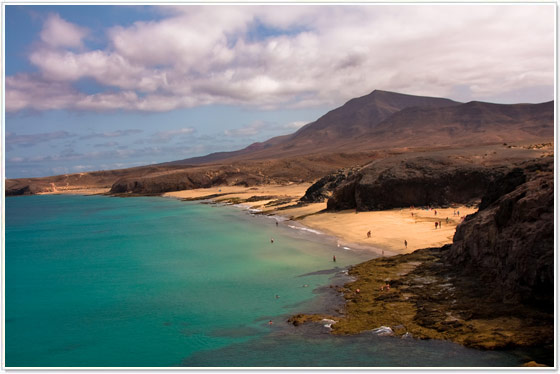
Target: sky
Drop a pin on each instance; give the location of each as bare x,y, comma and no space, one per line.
96,87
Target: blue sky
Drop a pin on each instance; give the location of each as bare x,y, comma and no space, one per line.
104,87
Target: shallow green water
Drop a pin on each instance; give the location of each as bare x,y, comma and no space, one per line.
100,281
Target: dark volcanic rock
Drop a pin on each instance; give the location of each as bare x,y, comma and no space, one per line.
493,288
323,188
418,181
510,241
18,191
161,183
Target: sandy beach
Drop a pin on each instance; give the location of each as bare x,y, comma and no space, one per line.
389,229
75,190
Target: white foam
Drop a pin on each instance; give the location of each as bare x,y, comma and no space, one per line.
347,248
247,207
382,331
305,229
328,322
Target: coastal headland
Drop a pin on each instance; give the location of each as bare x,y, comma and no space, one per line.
490,288
455,201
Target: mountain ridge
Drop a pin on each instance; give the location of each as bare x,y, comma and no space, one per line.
381,123
363,112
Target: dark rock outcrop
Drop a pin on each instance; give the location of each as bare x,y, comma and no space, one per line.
323,188
20,190
288,170
160,183
493,288
419,181
510,240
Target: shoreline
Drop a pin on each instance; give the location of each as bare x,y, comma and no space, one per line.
349,228
402,272
408,309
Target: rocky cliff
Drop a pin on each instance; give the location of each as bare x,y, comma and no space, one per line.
323,188
510,240
493,288
423,180
247,173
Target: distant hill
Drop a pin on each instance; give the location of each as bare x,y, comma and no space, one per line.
357,117
383,120
472,123
374,126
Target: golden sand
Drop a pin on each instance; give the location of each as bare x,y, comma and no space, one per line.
389,228
75,191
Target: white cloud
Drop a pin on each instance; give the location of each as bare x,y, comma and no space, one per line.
311,55
295,125
31,91
249,130
57,32
112,134
167,135
28,140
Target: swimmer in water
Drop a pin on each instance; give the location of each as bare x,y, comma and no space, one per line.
271,240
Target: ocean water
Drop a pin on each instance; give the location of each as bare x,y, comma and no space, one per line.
95,281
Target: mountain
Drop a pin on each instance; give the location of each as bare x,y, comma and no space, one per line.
378,125
384,120
360,116
471,123
355,118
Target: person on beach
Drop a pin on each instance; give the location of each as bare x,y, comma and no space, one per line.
382,253
446,219
271,240
369,234
440,225
405,243
276,223
334,258
436,224
357,290
435,212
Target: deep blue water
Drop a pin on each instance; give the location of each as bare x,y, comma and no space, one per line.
137,282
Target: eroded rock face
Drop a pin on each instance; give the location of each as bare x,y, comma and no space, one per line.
166,182
510,240
323,188
419,181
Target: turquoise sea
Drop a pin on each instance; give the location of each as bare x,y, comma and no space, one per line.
95,281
